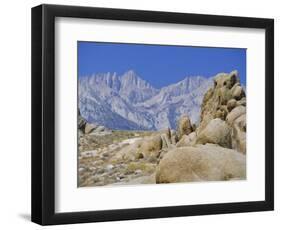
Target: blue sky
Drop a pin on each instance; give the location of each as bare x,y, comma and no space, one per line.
159,65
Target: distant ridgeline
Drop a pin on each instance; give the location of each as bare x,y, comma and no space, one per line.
128,102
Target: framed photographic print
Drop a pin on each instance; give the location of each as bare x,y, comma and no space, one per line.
142,114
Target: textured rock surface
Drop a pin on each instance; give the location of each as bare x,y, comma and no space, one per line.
226,100
89,128
184,126
151,146
239,134
81,123
201,163
218,100
216,131
187,140
235,113
231,104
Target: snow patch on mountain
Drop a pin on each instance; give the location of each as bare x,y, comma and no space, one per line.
130,103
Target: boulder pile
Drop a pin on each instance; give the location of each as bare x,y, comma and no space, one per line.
216,149
212,150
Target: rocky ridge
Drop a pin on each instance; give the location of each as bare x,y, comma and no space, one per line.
129,103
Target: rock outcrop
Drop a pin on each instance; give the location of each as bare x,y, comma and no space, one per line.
150,146
225,95
81,123
184,126
238,134
201,163
166,138
146,147
235,113
216,131
187,140
223,114
215,149
85,127
89,128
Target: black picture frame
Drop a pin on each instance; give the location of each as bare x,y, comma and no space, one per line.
43,114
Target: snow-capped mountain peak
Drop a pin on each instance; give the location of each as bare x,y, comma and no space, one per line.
129,102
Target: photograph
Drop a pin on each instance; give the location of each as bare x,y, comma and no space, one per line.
153,114
174,107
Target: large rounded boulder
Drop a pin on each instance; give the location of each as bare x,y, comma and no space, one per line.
150,146
235,113
216,132
201,163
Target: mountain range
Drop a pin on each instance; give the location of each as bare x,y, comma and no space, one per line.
128,102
